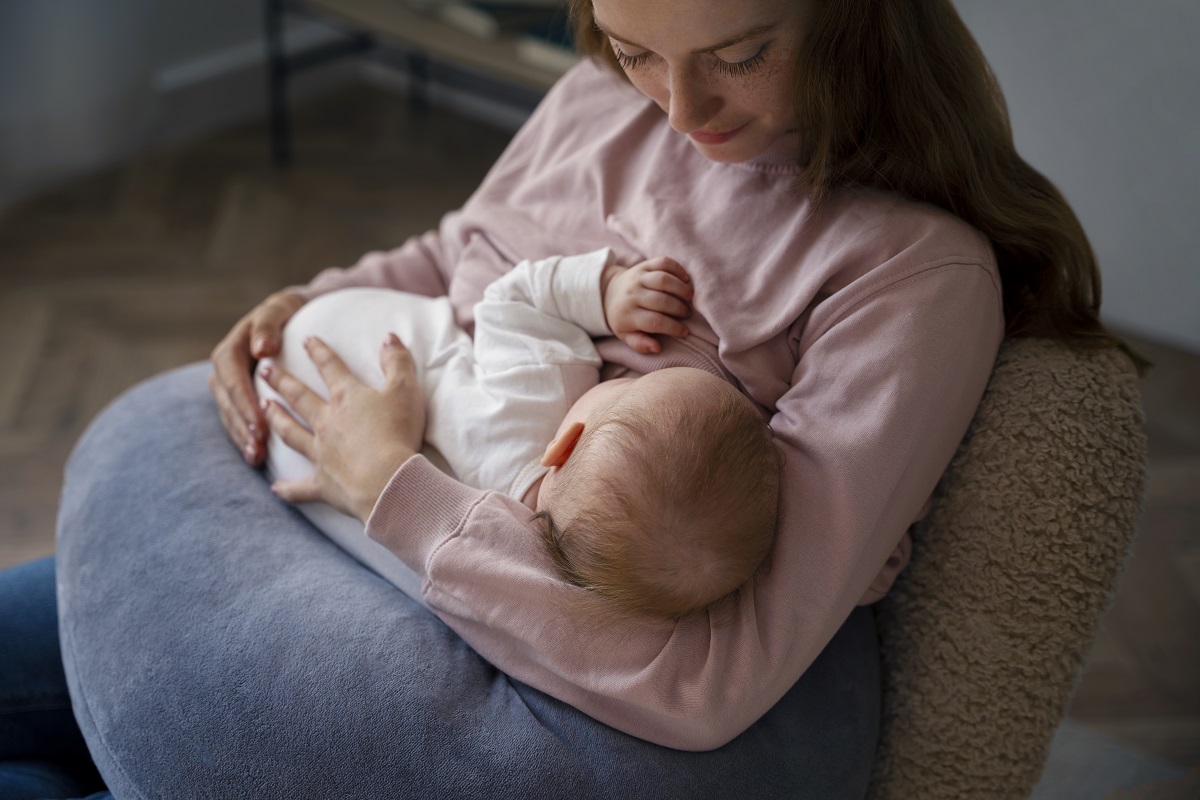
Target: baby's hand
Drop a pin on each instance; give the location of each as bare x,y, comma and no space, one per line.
645,299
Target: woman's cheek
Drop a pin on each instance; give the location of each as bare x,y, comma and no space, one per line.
647,81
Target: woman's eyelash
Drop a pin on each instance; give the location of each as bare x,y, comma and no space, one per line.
734,69
742,67
630,62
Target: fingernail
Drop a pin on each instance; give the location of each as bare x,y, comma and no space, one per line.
266,372
264,404
309,342
252,427
260,344
248,453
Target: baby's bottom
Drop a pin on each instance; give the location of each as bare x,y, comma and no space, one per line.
354,322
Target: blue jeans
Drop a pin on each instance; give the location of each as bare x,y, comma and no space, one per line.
42,752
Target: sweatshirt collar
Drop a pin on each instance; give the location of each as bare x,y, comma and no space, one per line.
778,159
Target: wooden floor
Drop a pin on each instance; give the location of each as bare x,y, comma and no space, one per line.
119,276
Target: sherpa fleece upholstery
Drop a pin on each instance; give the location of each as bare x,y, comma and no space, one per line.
985,634
217,646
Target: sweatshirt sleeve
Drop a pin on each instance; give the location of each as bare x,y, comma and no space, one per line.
885,387
420,266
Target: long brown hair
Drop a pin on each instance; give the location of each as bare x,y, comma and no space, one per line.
896,95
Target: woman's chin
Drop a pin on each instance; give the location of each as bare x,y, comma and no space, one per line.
727,153
751,145
744,146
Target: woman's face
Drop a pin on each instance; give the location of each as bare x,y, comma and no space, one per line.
720,69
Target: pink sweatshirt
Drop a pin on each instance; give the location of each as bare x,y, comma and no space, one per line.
867,330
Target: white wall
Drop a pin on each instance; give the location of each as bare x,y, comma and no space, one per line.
84,83
64,67
1105,100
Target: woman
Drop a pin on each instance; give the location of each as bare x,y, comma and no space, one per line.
839,179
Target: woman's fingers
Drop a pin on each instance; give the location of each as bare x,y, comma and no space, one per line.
231,367
302,491
397,363
244,438
238,405
255,335
267,321
333,370
403,392
293,434
306,403
358,439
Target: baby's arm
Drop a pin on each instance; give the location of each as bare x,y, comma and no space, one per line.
648,298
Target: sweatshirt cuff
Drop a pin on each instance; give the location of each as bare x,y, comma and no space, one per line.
419,509
576,288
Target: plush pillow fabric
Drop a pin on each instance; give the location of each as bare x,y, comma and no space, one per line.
216,645
985,634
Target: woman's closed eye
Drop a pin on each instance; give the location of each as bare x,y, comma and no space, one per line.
741,66
723,65
628,61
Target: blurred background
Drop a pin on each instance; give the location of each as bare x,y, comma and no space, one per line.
145,205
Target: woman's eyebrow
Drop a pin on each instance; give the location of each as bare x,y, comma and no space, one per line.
757,30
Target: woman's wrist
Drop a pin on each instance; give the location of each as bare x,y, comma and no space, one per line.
377,481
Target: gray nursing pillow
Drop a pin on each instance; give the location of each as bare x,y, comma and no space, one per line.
217,645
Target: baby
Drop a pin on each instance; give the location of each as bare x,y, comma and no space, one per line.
663,491
658,492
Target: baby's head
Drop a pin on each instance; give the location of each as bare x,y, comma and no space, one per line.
663,492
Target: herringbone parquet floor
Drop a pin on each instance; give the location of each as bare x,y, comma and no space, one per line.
118,276
121,275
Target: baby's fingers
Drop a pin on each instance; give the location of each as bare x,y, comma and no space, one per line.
669,266
662,303
651,322
660,281
641,342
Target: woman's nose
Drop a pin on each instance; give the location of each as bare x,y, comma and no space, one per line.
692,102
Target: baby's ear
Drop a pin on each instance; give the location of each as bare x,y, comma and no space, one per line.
559,450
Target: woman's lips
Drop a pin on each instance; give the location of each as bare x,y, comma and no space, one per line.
701,137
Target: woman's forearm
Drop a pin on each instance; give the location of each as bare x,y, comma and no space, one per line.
420,266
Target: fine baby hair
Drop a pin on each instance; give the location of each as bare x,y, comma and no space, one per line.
666,507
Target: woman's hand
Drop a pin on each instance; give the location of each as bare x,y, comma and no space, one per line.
359,438
257,335
647,298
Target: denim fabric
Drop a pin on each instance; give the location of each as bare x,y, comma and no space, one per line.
42,753
217,645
